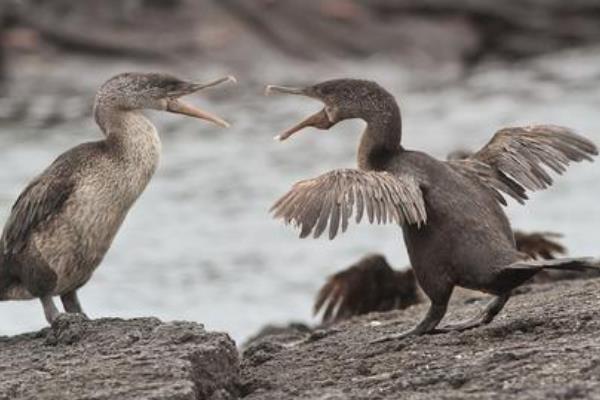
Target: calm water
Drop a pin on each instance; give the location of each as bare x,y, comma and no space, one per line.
200,245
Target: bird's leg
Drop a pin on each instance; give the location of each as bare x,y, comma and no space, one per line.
434,315
71,303
439,292
485,316
50,310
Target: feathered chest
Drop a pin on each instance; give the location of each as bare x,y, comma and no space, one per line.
133,161
109,185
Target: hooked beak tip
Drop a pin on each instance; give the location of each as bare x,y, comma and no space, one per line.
200,86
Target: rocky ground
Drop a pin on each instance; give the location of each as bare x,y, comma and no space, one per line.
544,345
118,359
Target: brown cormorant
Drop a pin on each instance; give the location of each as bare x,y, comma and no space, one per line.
455,230
65,220
371,284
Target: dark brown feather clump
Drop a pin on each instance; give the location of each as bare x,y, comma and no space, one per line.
539,245
367,286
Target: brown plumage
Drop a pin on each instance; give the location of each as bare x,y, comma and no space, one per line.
522,152
383,196
366,286
540,245
463,238
513,160
372,285
65,220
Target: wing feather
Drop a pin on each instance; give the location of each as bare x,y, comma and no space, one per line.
347,208
360,203
519,159
42,198
335,212
331,198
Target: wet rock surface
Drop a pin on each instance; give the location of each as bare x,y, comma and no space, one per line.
544,345
118,359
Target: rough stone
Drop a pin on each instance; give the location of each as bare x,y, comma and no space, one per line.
544,345
113,358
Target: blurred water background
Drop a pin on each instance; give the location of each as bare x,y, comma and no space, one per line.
200,245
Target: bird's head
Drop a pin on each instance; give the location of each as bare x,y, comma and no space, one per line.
343,99
154,91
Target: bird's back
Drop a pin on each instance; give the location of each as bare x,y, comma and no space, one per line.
466,229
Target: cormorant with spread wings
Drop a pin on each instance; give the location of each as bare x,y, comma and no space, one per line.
455,230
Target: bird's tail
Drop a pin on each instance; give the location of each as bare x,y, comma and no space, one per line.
572,264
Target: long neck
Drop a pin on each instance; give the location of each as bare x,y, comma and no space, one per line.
128,132
380,140
134,143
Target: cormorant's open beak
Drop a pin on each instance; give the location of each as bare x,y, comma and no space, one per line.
319,120
178,106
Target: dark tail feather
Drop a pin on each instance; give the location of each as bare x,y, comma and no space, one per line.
573,264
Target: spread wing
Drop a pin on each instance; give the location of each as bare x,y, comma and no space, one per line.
518,159
333,197
43,197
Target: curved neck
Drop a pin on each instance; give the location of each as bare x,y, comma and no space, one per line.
380,140
125,129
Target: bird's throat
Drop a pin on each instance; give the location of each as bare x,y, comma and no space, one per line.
379,142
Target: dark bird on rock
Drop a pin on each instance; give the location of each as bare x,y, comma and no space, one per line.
65,220
371,284
455,230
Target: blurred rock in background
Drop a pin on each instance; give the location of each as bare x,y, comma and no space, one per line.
64,49
429,29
